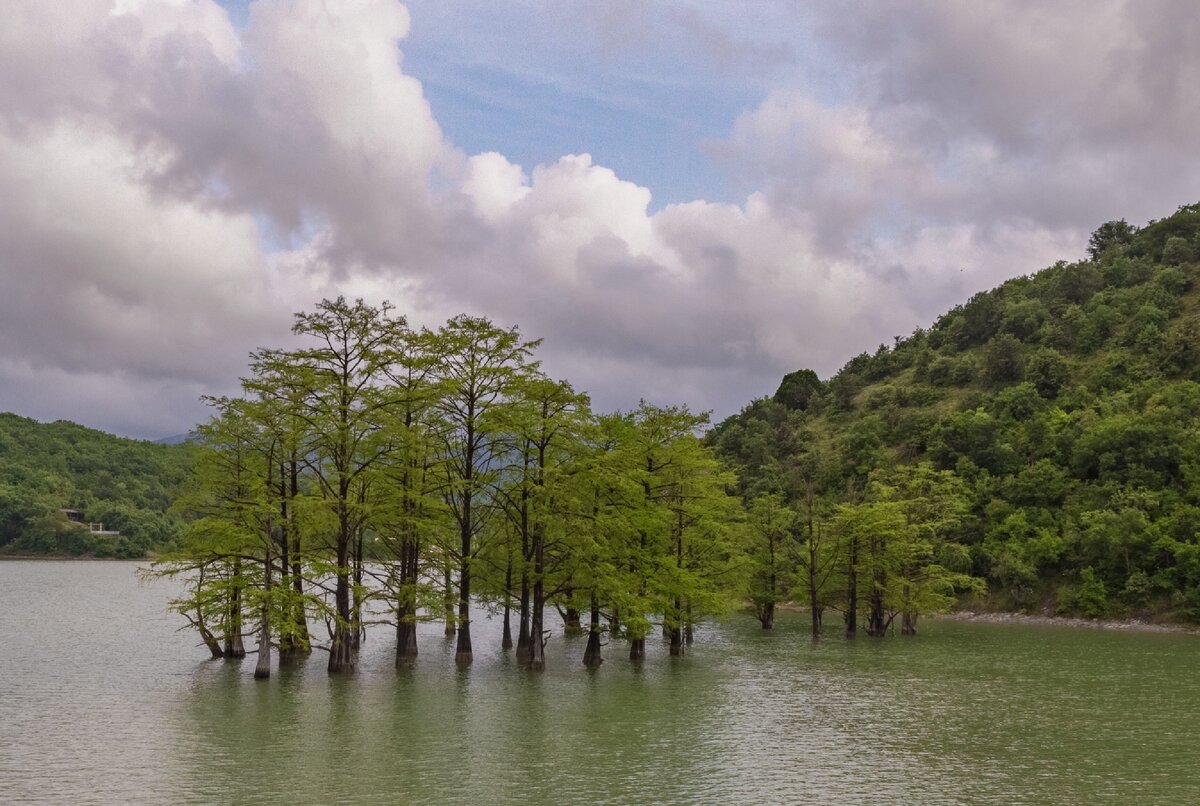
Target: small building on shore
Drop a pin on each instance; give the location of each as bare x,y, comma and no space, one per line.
75,517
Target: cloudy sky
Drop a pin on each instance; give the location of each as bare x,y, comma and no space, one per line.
685,199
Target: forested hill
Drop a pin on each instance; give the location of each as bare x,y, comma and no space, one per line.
1064,405
126,485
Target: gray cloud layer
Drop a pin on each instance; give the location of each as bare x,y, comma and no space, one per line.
174,187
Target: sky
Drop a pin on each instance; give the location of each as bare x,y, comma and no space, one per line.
686,200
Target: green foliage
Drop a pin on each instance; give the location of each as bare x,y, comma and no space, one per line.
798,389
1110,235
1003,360
1092,596
128,485
1065,402
1048,371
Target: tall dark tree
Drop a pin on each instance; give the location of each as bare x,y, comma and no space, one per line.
479,371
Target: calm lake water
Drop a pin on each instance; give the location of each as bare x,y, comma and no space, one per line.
103,701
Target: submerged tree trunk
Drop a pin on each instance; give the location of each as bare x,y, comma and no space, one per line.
341,648
852,591
591,654
406,610
908,618
523,641
462,650
677,606
876,618
448,601
506,642
814,604
637,649
210,640
766,615
537,639
262,669
676,631
570,616
301,644
233,621
358,632
293,628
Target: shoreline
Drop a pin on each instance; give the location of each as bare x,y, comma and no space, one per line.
1116,625
69,558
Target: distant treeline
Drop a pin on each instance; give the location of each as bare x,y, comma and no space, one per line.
128,485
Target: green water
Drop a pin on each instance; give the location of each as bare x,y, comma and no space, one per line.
101,701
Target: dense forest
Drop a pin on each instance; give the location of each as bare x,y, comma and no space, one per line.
1058,416
126,485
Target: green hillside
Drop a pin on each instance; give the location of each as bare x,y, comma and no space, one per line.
126,485
1066,404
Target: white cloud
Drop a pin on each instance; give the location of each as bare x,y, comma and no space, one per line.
176,187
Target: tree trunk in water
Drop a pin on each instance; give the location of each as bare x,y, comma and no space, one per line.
677,648
637,649
852,592
301,641
676,631
766,612
406,640
908,618
876,623
523,642
406,611
523,630
507,642
210,640
591,655
449,601
814,606
462,651
537,639
571,623
766,615
356,627
341,649
233,629
262,669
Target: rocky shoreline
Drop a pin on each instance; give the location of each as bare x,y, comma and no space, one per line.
1126,625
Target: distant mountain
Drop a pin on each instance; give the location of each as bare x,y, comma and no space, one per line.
1068,401
177,439
127,485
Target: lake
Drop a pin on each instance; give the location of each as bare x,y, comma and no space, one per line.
102,700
